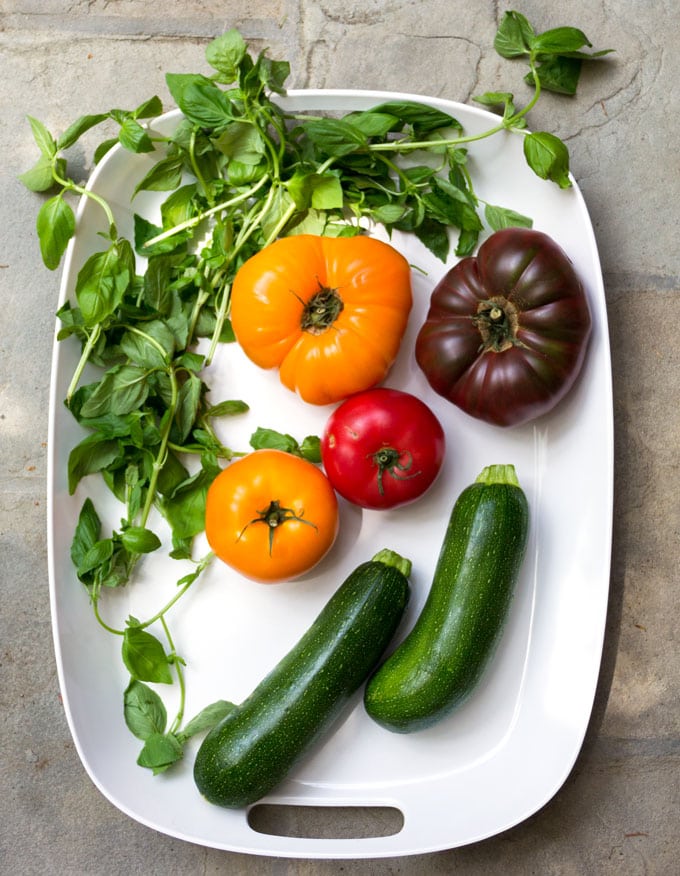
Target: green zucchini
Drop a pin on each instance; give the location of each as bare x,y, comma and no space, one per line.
254,747
441,660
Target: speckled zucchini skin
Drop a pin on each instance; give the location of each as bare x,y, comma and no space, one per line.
443,657
253,748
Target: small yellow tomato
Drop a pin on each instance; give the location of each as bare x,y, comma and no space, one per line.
271,516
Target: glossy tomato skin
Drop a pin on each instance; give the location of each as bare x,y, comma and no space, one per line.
382,448
544,311
329,313
271,516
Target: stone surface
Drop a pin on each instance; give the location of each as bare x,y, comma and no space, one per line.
617,812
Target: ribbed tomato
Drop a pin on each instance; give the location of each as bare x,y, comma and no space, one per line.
507,330
329,312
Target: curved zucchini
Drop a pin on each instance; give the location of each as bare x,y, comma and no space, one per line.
443,657
251,750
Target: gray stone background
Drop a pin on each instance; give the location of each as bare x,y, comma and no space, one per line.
618,811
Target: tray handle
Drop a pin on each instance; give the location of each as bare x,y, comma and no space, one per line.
329,830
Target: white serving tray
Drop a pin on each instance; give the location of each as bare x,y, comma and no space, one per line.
507,751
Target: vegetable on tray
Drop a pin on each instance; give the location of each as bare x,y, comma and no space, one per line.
507,330
254,748
271,515
382,448
443,657
328,312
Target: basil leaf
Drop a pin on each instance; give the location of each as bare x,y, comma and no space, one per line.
149,109
271,220
299,187
152,347
92,454
164,176
334,136
116,571
412,217
548,157
126,256
179,206
55,225
96,557
320,191
100,285
104,147
171,475
43,138
502,217
39,178
327,192
225,54
160,752
179,83
388,214
372,123
86,532
207,718
310,448
139,540
134,138
514,36
422,118
435,236
558,74
145,231
273,74
134,497
452,206
503,100
558,40
157,294
240,174
192,361
143,710
123,389
419,174
187,407
270,439
228,409
467,241
242,142
78,128
201,100
184,507
145,657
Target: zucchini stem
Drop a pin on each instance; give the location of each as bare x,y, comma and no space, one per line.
498,474
392,558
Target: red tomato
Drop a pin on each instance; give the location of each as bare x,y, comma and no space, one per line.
382,448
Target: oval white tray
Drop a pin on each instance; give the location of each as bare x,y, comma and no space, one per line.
507,751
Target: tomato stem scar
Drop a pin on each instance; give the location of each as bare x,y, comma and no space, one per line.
274,515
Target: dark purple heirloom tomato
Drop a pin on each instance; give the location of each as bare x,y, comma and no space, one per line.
507,330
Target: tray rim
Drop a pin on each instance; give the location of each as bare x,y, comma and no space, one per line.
292,847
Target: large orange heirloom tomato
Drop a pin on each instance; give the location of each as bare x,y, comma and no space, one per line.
328,312
271,516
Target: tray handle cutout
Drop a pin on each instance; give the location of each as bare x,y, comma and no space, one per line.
325,822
